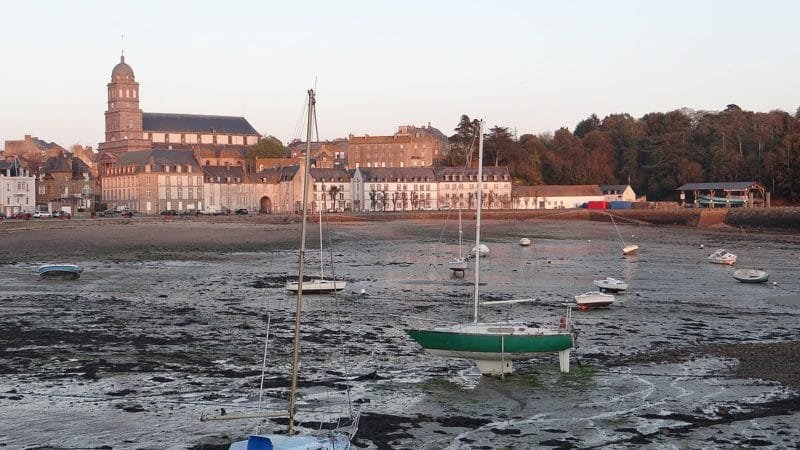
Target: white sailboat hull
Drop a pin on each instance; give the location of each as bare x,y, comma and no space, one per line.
317,286
457,265
611,285
630,249
594,299
722,256
483,249
524,242
751,275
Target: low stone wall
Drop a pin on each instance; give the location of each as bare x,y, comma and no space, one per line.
784,218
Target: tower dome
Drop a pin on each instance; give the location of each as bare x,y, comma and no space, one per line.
122,71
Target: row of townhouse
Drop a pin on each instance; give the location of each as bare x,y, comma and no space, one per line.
151,181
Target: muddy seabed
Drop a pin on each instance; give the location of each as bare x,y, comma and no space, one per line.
133,353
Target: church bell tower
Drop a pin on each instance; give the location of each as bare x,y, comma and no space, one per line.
123,117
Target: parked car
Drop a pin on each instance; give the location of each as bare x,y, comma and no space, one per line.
106,213
41,214
128,213
241,212
21,215
169,212
2,215
61,215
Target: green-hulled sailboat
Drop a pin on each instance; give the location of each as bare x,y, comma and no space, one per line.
494,345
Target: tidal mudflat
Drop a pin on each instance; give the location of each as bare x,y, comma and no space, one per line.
167,324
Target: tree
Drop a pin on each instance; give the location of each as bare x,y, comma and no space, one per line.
462,143
587,125
528,168
333,192
266,147
499,142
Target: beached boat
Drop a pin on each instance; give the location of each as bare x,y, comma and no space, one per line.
525,242
481,249
627,249
593,299
494,345
63,271
459,264
335,439
722,256
318,285
609,284
751,275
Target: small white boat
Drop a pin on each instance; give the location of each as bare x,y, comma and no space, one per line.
482,248
611,285
630,249
524,242
750,275
722,256
317,285
594,299
65,271
457,265
627,249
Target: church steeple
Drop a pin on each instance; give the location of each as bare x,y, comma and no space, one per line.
124,132
123,116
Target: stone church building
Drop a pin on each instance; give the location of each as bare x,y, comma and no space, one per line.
162,144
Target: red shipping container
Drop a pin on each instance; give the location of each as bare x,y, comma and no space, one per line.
597,205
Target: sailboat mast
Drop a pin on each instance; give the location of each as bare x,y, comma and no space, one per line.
321,269
478,222
617,230
299,303
460,236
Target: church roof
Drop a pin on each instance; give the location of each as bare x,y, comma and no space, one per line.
196,123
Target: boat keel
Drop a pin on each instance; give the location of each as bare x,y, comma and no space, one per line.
494,366
563,361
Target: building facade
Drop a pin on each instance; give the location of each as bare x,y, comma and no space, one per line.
331,190
458,187
555,196
618,192
394,189
66,183
17,187
409,147
150,181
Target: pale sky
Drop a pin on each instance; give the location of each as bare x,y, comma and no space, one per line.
533,66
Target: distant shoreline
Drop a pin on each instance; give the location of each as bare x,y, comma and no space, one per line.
776,218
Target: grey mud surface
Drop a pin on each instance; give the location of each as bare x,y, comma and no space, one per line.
167,325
